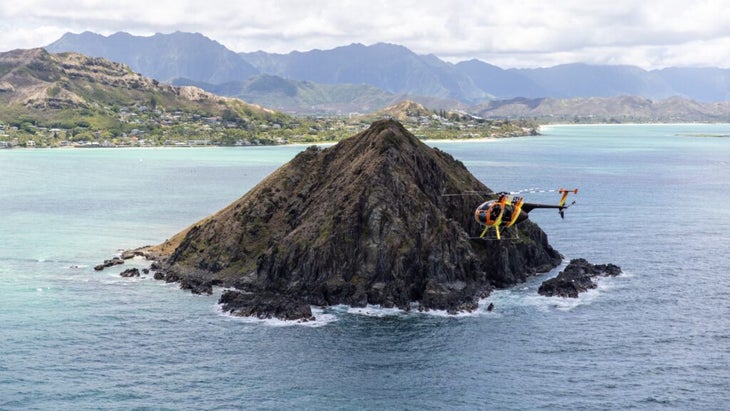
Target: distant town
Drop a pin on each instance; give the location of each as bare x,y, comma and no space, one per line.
149,127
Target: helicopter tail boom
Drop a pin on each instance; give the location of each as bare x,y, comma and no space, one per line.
531,206
560,206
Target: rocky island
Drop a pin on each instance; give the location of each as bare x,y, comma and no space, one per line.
361,222
576,278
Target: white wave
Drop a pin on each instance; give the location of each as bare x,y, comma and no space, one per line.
115,279
544,303
322,318
375,311
378,311
329,315
626,274
526,296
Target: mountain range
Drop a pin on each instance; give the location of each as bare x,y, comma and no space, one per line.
392,68
163,57
620,109
364,78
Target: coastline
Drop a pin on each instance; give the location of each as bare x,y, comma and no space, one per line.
684,123
541,129
212,146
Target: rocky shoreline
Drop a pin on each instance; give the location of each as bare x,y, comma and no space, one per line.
578,276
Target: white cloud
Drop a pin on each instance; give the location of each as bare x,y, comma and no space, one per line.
650,33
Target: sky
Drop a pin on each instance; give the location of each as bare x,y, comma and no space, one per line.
651,34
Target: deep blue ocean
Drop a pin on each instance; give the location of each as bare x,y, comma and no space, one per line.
653,199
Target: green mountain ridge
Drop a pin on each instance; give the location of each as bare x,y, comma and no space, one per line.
85,97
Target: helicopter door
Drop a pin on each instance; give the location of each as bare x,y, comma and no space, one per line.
494,214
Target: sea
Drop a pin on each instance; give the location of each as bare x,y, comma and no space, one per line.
653,199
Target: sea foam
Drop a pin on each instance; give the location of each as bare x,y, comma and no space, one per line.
322,318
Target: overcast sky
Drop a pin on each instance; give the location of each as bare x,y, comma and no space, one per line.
528,33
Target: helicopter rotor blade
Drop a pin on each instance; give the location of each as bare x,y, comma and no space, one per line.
468,193
532,191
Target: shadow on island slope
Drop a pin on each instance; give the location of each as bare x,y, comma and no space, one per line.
361,222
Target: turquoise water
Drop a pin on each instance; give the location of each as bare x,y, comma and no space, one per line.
652,199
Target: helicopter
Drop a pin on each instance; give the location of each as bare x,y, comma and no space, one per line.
507,210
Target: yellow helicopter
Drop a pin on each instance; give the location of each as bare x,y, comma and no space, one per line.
507,210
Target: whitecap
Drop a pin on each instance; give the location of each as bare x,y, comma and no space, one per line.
527,296
545,304
446,314
375,311
322,318
380,312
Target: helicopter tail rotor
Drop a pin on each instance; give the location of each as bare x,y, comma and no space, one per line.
562,209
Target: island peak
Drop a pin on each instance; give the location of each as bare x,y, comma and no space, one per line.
362,222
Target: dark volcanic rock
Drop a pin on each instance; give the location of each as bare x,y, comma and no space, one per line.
362,222
576,278
130,272
265,305
109,263
196,285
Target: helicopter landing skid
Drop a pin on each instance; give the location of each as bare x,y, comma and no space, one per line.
504,238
